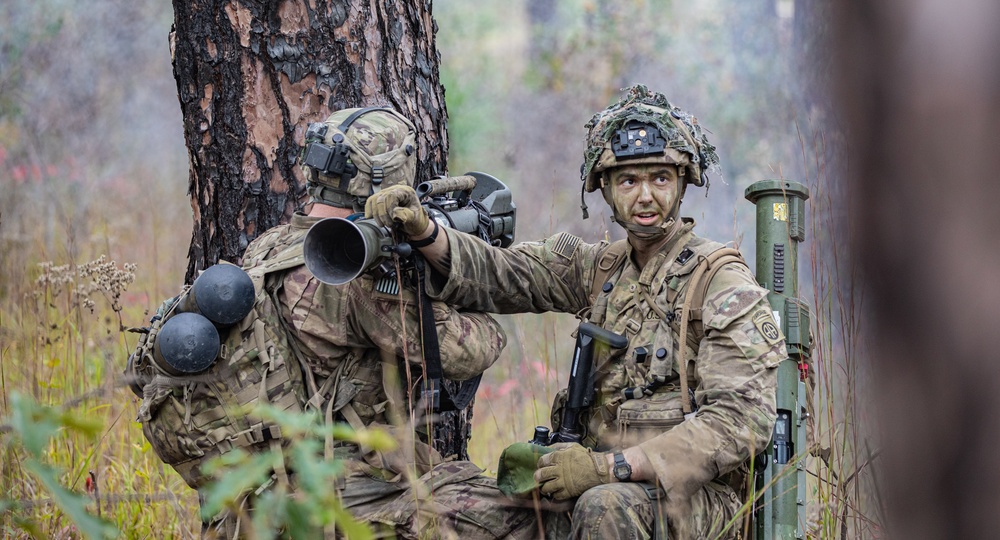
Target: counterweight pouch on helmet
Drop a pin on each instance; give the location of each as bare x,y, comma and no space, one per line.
188,419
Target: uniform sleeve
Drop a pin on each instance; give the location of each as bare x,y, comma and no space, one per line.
330,320
736,379
469,342
532,277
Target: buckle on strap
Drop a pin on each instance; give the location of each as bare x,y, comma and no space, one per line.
653,490
378,174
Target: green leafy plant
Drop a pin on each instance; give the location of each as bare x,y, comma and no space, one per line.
306,504
28,433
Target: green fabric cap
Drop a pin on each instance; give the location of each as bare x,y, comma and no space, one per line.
516,472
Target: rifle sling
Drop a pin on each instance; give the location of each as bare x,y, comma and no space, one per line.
441,400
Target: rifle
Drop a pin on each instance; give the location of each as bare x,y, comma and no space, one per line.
580,390
515,472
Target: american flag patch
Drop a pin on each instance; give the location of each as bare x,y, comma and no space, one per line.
566,244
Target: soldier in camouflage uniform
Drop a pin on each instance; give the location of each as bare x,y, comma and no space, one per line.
351,338
677,415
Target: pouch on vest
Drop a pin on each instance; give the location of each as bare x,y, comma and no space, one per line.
642,419
189,419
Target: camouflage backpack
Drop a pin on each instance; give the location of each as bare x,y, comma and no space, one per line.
190,419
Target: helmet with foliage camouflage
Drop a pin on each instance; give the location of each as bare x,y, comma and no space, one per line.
357,152
643,127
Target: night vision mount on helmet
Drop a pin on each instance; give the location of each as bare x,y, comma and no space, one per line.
644,127
357,152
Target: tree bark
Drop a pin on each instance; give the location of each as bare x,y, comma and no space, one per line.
252,74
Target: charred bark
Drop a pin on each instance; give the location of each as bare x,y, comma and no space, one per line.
252,74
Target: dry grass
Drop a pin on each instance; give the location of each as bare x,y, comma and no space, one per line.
63,344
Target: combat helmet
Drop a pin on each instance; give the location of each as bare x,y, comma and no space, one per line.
643,127
357,152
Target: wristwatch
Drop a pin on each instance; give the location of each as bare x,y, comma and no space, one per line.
622,470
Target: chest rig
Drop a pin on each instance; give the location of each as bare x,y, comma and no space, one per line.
660,311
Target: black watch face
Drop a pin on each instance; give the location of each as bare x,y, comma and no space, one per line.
623,471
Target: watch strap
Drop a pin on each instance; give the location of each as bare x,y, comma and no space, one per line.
622,470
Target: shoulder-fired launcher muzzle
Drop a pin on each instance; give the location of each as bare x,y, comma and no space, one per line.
338,250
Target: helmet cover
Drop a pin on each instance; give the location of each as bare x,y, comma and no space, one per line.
643,127
356,152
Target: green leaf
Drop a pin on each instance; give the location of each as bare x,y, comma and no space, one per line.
293,425
90,426
7,505
28,526
375,439
352,528
34,425
299,521
271,510
236,474
315,480
73,504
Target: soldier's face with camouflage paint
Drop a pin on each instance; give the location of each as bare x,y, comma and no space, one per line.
645,194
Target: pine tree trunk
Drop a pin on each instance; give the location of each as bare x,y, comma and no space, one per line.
252,74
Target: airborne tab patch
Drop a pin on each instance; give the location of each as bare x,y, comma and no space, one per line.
764,322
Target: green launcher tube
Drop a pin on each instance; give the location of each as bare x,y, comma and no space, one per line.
779,486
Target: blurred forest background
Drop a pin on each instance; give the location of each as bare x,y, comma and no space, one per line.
93,164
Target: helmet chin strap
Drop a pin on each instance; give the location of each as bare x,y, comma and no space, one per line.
646,232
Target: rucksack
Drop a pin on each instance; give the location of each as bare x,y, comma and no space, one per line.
188,420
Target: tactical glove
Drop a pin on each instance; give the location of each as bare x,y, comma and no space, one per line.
571,470
398,204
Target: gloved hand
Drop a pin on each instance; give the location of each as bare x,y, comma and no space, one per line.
571,470
398,204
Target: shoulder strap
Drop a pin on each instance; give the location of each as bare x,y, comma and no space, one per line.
611,260
715,261
697,290
437,395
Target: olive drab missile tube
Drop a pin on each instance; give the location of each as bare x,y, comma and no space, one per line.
779,512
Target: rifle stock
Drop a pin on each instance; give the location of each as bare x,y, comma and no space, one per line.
581,380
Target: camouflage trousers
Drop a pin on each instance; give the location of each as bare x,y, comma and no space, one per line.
451,501
633,510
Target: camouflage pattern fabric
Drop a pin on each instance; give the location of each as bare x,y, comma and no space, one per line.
382,139
331,323
346,332
326,348
188,420
628,511
451,501
686,144
731,368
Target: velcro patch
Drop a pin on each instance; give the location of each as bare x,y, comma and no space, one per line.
566,245
764,322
